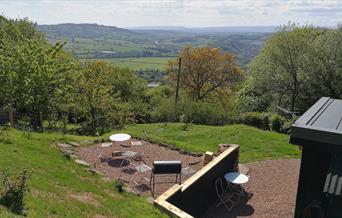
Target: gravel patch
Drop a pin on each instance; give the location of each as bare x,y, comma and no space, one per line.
150,152
274,187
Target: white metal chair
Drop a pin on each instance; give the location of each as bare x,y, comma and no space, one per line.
227,198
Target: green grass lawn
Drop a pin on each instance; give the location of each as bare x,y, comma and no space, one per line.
55,181
255,144
159,63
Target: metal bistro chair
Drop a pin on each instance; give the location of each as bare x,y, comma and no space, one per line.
227,198
166,167
189,170
141,167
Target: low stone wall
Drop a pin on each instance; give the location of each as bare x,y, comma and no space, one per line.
197,194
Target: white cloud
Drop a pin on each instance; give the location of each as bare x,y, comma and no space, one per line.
176,12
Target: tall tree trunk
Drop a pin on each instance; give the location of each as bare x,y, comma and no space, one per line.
65,121
294,95
93,121
10,115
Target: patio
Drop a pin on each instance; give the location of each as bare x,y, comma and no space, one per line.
150,152
272,182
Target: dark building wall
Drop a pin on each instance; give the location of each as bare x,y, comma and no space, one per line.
313,172
197,198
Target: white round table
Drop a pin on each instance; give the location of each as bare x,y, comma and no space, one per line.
236,178
120,137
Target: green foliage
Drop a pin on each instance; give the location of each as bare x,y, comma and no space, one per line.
204,70
96,96
256,119
110,97
252,97
297,66
34,76
118,185
277,123
13,191
201,112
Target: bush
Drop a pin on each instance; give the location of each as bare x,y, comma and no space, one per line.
277,123
165,111
118,185
206,113
13,191
256,119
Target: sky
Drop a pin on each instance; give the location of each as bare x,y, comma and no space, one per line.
188,13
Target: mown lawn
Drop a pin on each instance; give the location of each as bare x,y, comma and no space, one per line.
255,144
59,187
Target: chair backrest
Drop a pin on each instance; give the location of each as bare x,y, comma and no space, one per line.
117,153
219,186
167,167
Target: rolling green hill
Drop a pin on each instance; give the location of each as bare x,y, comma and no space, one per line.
99,41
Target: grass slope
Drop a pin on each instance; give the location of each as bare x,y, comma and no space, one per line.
59,187
255,144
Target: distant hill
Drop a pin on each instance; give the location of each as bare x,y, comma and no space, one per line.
99,41
226,29
91,31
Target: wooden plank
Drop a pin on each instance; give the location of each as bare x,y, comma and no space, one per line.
207,167
161,202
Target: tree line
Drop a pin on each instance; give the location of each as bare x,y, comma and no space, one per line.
297,66
47,86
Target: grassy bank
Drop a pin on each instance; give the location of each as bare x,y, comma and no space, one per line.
255,144
60,188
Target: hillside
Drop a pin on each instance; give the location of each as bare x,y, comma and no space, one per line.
79,194
99,41
60,188
90,31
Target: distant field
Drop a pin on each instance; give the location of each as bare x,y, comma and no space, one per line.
159,63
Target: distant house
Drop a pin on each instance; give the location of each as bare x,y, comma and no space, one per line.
107,52
153,85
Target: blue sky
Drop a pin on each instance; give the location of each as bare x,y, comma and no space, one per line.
190,13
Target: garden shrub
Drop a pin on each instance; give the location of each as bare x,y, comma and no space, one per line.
165,112
13,190
256,119
205,113
277,123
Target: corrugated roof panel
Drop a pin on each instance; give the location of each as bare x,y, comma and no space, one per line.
330,115
322,123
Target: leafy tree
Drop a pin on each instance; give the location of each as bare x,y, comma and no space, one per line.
33,73
323,68
297,66
205,70
96,94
